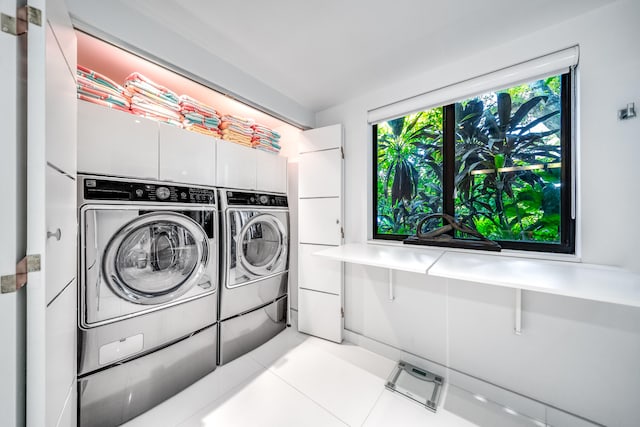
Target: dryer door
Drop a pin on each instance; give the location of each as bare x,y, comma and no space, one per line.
156,258
261,247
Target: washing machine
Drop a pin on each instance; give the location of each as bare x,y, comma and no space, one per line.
255,262
148,294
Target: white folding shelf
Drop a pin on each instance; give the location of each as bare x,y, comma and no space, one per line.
573,279
392,257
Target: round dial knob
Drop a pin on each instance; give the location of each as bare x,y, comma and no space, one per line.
139,192
264,199
163,193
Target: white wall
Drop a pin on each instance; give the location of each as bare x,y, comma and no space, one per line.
577,355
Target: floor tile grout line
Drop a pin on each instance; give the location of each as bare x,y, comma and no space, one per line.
317,343
307,396
372,408
270,369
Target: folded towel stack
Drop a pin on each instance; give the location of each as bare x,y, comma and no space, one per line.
265,139
199,117
237,129
99,89
152,100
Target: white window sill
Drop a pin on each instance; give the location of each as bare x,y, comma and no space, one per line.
565,277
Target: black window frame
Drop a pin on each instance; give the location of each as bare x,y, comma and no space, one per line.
567,219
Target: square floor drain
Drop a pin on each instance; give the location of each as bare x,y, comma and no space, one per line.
417,384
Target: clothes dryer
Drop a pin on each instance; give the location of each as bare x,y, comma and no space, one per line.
255,262
147,296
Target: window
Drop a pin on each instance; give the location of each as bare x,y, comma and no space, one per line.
500,161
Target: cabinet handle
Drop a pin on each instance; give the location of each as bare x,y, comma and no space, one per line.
57,234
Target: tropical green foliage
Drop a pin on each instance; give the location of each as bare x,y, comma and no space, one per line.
507,165
409,171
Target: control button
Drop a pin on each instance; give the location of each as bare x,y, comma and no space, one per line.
163,193
139,192
253,199
183,195
264,199
90,183
273,201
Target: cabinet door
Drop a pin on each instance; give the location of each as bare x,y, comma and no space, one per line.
320,220
116,143
61,328
186,157
320,314
271,172
322,175
61,232
236,166
60,101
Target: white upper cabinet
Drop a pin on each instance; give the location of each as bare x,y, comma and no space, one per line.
116,143
236,166
248,169
186,157
271,172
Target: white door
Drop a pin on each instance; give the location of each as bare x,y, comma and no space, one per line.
12,223
320,224
51,216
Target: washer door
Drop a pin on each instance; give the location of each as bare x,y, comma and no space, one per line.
156,258
262,247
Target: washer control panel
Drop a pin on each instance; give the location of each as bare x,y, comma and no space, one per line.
256,199
104,189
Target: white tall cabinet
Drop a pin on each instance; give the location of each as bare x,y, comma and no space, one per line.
51,217
320,225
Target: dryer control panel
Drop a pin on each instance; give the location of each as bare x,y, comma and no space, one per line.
104,189
256,199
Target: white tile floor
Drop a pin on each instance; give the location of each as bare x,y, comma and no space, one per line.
297,380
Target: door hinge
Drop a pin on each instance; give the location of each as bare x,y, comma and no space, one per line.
342,312
13,282
342,232
18,25
342,152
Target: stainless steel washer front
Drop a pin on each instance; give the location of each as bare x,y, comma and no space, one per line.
138,259
148,269
255,250
253,291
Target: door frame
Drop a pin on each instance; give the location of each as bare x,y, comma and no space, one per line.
13,220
